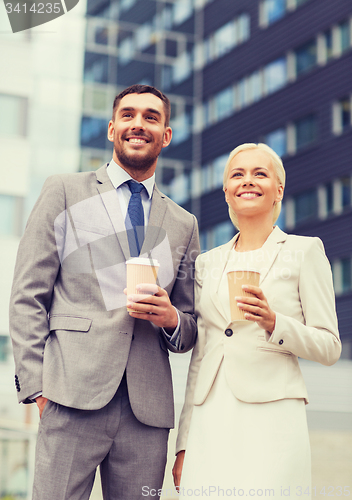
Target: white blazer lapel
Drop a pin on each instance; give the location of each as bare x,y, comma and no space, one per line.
271,249
218,267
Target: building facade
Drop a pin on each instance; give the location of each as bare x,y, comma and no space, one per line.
273,71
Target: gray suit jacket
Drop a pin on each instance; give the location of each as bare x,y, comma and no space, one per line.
72,336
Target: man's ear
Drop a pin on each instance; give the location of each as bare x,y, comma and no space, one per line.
111,131
167,137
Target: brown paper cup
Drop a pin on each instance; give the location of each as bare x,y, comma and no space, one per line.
139,271
236,279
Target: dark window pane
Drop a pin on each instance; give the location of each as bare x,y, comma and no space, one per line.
93,132
329,197
275,9
96,68
345,36
306,57
346,274
306,131
101,36
345,113
277,140
305,206
346,192
328,42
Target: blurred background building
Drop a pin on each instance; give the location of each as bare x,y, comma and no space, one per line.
273,71
40,113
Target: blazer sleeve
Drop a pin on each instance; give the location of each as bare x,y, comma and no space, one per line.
182,296
36,270
196,359
317,339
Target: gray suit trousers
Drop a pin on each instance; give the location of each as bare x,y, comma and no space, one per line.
73,443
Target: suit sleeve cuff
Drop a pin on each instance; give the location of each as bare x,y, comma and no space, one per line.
174,339
36,395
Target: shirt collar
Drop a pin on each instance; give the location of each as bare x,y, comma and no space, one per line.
119,176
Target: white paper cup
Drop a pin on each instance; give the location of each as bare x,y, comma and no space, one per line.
235,280
140,270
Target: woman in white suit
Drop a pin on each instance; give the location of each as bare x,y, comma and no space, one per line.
243,428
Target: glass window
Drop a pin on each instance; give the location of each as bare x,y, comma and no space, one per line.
126,50
345,105
207,178
328,44
126,4
166,77
345,35
255,86
224,103
219,167
223,232
166,17
274,10
224,39
306,131
329,189
93,132
306,57
346,269
275,75
102,36
96,68
306,206
182,67
181,128
179,191
280,222
277,140
346,192
182,10
241,93
244,28
143,36
13,115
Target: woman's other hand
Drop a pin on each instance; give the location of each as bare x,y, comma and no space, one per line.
257,308
177,469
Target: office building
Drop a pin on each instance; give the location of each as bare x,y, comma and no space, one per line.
273,71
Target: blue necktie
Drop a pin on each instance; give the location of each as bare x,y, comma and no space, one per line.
136,216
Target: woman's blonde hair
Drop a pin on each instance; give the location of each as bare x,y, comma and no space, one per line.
277,164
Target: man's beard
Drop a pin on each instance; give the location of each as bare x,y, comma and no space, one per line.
141,164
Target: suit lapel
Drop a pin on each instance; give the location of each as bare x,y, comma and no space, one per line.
271,249
219,265
109,198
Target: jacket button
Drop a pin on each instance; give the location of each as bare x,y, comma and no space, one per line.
228,332
281,342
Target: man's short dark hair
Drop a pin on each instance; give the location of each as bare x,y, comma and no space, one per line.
144,89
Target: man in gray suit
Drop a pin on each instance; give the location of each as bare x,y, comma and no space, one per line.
100,375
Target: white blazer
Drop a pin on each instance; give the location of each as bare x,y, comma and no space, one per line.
297,282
